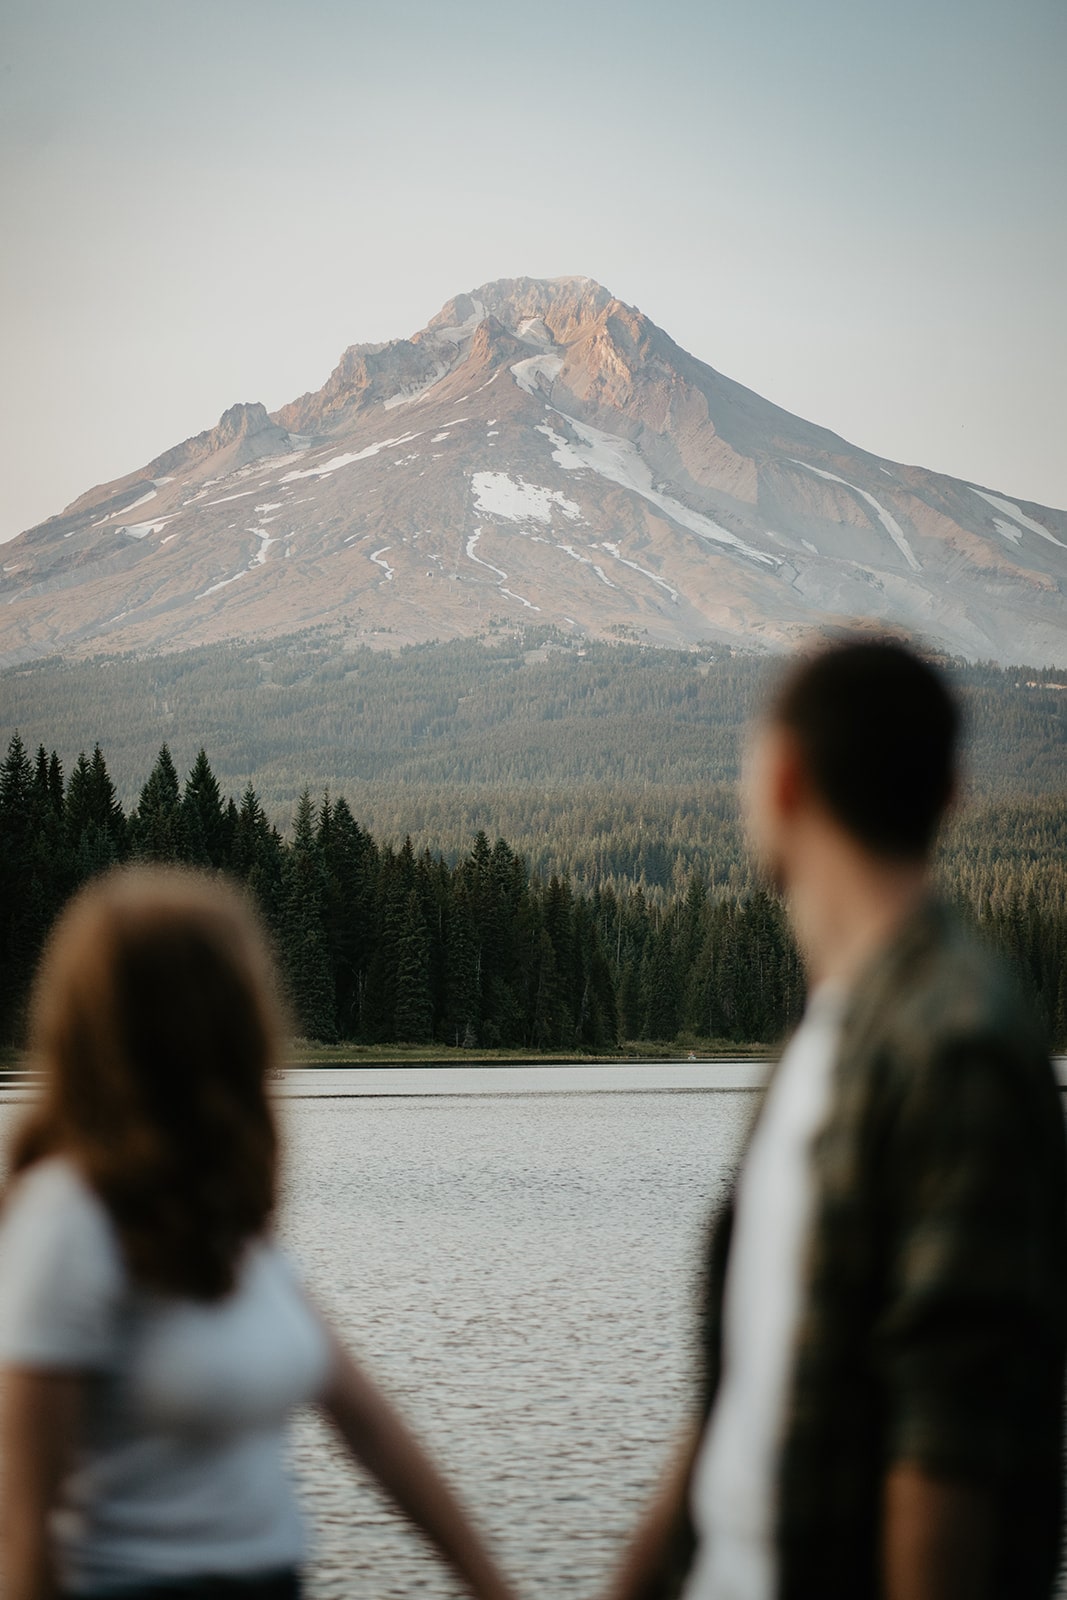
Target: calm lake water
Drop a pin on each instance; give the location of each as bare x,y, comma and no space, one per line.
519,1273
518,1270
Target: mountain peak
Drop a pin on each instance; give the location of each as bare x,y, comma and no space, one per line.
521,294
562,305
541,450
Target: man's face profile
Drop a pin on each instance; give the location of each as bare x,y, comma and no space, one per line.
768,779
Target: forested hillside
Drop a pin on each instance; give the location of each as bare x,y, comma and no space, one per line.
612,764
517,710
380,943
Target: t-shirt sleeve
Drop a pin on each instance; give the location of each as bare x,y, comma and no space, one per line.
61,1274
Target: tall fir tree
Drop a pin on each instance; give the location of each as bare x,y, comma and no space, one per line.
208,838
413,1022
304,950
157,827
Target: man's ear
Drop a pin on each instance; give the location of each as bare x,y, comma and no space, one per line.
788,776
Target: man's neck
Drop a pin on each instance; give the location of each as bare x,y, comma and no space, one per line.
846,905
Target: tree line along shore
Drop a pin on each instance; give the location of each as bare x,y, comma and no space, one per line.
383,944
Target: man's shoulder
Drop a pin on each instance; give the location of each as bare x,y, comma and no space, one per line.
939,991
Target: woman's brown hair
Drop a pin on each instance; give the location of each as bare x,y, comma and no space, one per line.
154,1022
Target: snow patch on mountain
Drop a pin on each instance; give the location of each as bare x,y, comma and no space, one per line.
533,331
496,494
335,463
613,550
889,522
225,582
471,542
586,561
537,373
408,397
461,330
265,542
618,460
112,515
141,530
1010,509
520,598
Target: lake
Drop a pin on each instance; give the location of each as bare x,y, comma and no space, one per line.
518,1268
519,1271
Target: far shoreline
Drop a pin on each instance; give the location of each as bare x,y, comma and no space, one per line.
352,1056
349,1055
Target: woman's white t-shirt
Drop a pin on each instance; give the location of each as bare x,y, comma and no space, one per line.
180,1468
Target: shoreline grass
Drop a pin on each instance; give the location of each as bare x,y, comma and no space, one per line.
305,1053
346,1053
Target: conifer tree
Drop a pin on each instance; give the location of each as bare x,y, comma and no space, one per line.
546,1008
157,827
414,1015
462,975
24,900
661,986
349,863
305,956
55,781
204,816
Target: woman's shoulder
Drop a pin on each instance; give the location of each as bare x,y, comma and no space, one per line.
53,1194
61,1269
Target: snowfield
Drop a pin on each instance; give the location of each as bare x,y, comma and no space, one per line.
587,561
378,557
496,494
613,550
335,463
619,461
1010,509
141,530
537,373
889,523
471,542
215,587
265,542
408,397
114,515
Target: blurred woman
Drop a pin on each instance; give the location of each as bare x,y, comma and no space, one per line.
153,1337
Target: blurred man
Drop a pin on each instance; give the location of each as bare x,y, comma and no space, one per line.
886,1299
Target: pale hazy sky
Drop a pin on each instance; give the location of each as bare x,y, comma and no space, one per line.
857,208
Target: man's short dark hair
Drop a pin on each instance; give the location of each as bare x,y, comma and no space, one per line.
877,726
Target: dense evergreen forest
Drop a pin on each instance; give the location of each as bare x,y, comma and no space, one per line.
492,715
384,942
612,765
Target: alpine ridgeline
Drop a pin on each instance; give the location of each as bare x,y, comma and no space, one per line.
541,452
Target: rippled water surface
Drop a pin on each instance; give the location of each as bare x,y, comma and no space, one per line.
519,1274
519,1271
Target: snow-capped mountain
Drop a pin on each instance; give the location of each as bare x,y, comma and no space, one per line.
539,452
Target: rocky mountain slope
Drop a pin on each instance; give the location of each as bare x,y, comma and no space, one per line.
540,452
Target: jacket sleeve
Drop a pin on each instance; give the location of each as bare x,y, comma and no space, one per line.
970,1345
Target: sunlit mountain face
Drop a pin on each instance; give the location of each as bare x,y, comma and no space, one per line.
540,452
